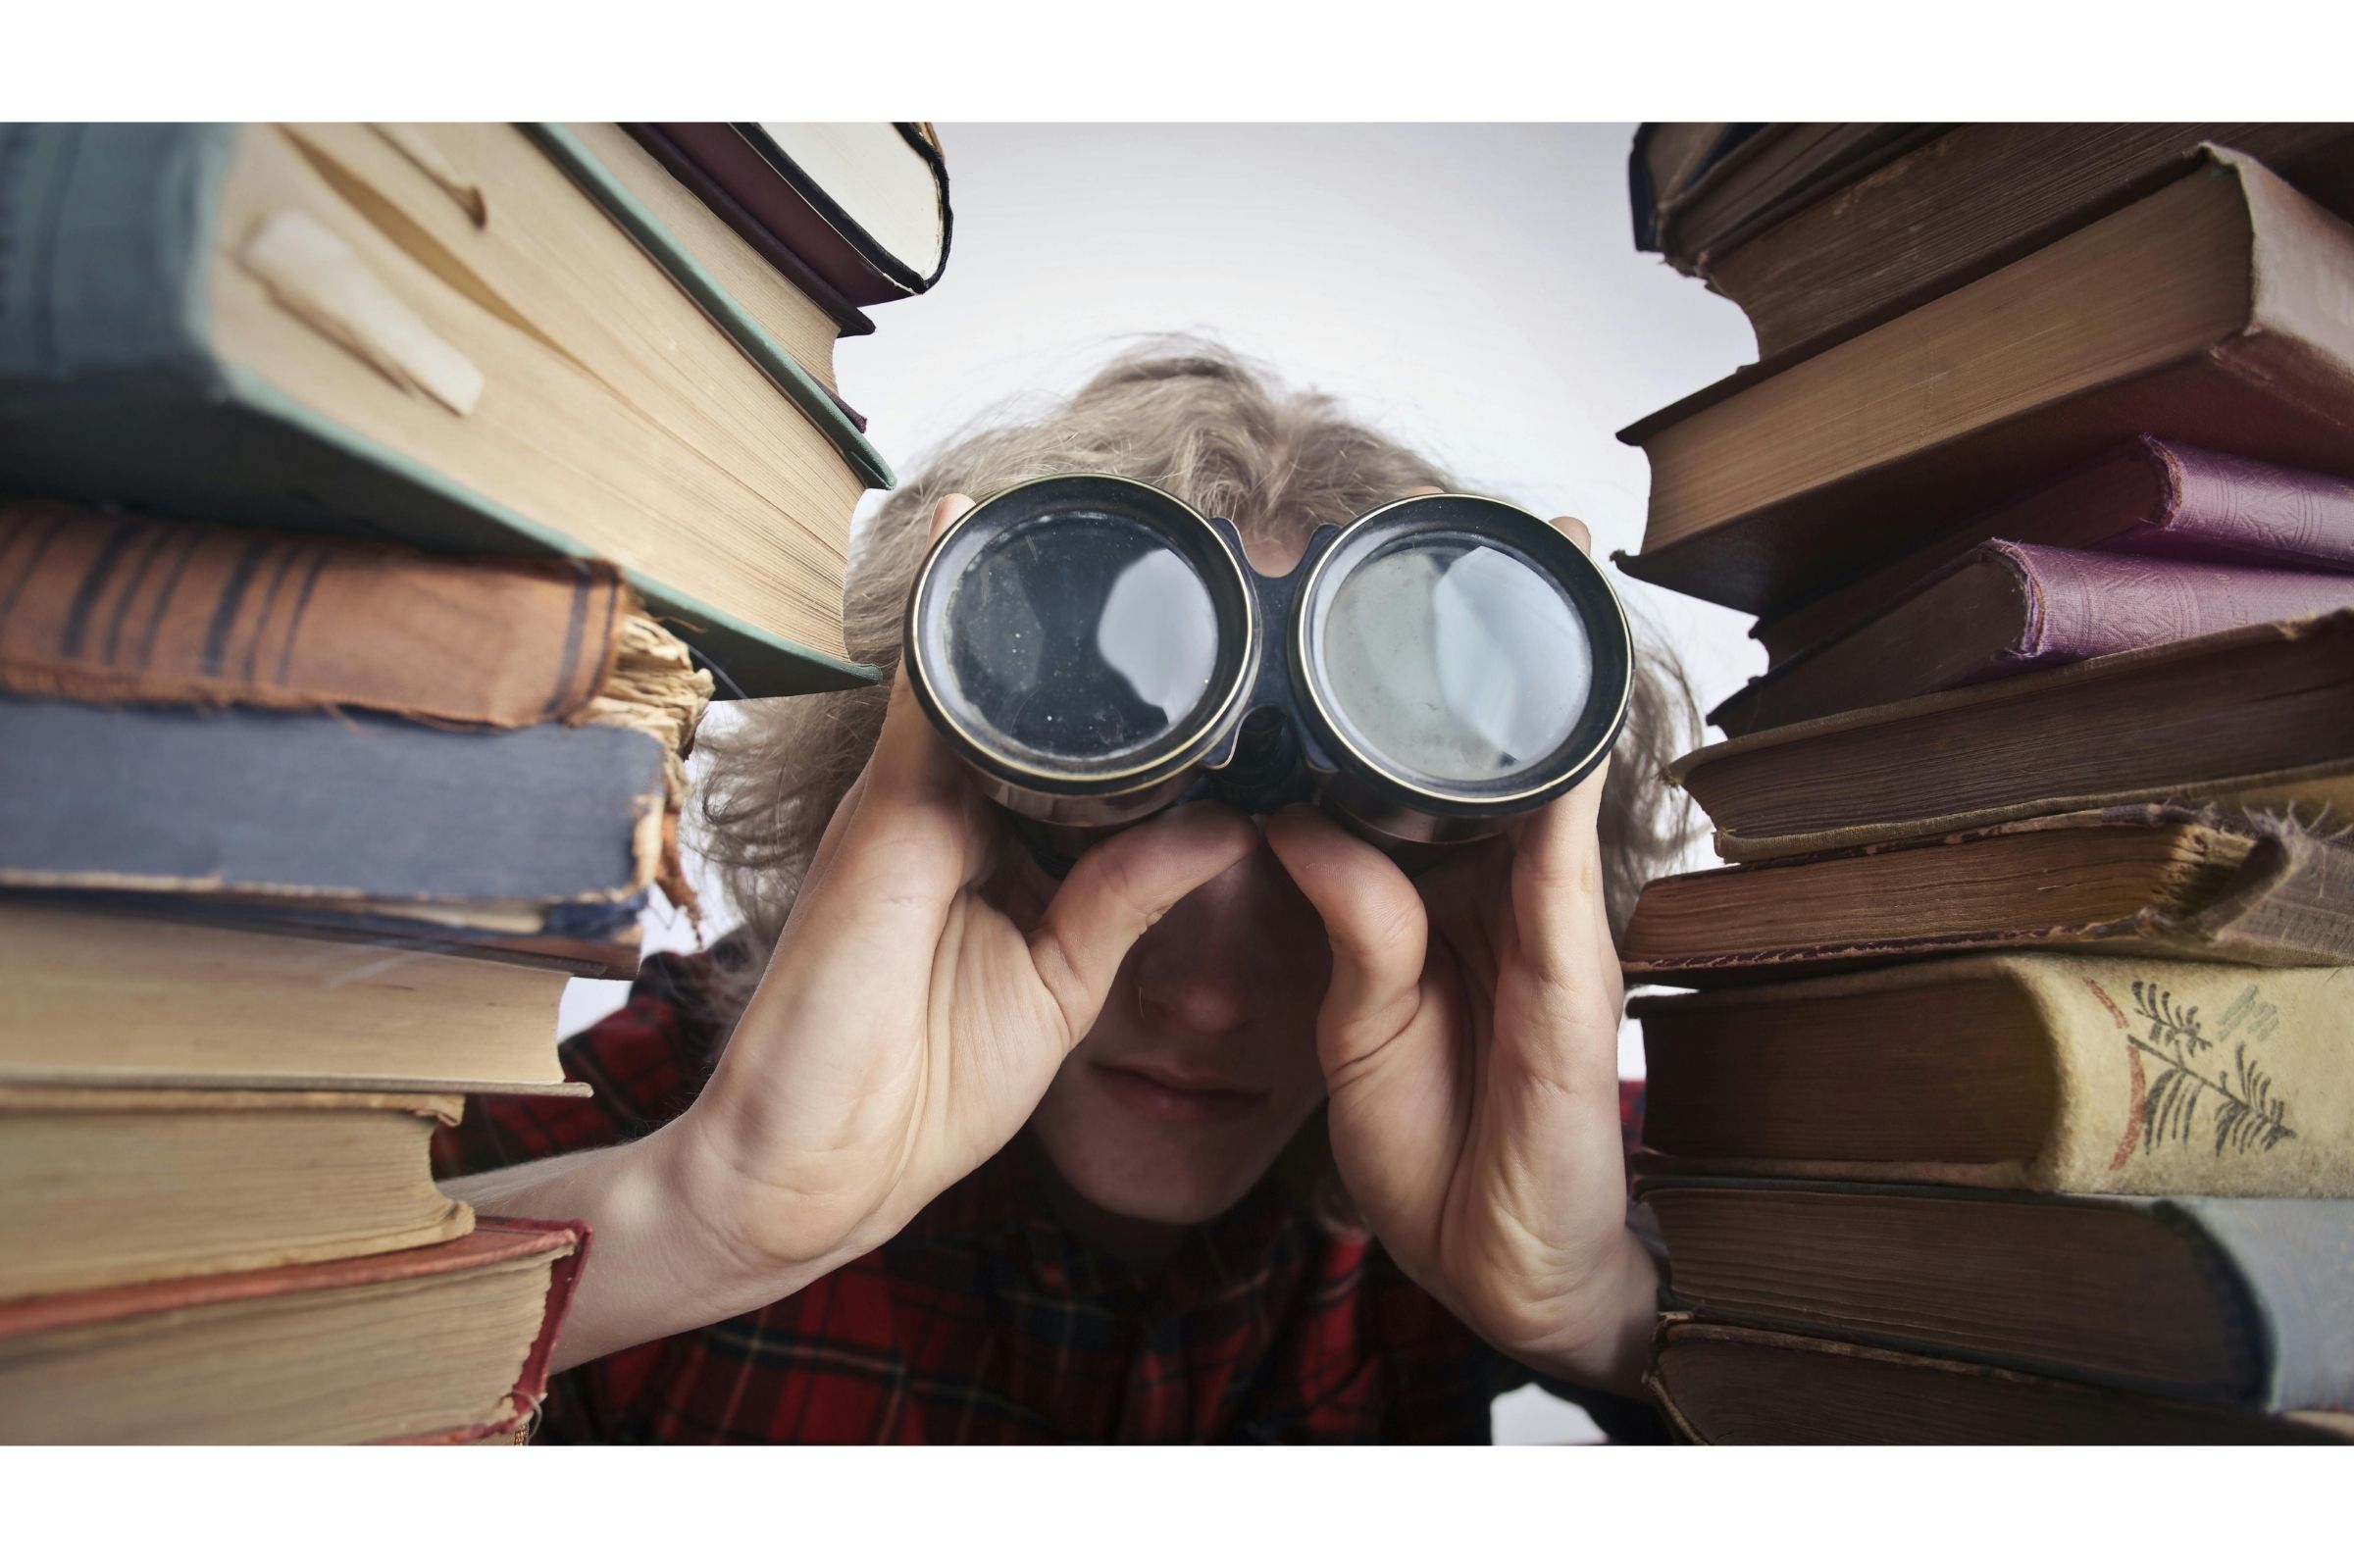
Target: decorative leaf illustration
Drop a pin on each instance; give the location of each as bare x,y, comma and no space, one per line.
2248,1115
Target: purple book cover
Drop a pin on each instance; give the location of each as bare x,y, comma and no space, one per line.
2215,506
2080,604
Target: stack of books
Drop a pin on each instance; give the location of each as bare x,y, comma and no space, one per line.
378,505
2009,1099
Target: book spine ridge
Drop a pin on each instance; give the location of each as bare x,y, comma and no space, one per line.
108,233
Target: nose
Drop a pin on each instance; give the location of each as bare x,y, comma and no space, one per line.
1236,951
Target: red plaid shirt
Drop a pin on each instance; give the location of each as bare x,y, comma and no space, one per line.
985,1321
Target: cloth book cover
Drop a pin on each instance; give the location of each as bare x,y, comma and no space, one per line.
2007,608
2035,1072
240,801
2144,497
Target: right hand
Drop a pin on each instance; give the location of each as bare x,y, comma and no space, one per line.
912,1016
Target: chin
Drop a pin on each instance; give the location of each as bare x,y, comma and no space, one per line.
1169,1164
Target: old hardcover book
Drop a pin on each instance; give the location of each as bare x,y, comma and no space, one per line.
467,337
762,240
2044,1072
1766,176
445,1344
2145,497
1977,197
536,828
804,320
2210,310
2258,717
110,608
103,1187
2157,880
1666,157
866,205
117,999
2236,1301
1718,1383
2007,608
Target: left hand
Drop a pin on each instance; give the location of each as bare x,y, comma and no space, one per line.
1469,1042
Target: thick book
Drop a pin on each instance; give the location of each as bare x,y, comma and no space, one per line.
2210,309
516,826
2007,608
2258,717
1977,197
782,261
2150,879
1719,1383
2143,498
864,205
112,608
466,338
2238,1301
102,1186
98,996
1666,156
446,1344
1767,175
2042,1072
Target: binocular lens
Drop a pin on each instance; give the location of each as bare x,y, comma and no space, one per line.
1079,637
1096,650
1451,661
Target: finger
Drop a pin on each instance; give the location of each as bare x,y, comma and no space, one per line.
1557,907
1577,532
1424,490
1373,918
829,844
910,764
948,510
1118,889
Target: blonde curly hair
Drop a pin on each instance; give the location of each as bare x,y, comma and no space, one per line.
1209,426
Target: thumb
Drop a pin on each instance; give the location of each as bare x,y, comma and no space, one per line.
1375,920
910,764
1119,887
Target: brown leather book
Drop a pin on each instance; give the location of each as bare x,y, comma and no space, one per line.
102,607
2259,717
1720,1384
445,1344
1770,175
2221,1300
2131,879
2211,311
2143,498
1977,197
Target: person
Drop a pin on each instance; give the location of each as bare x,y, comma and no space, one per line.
1238,1131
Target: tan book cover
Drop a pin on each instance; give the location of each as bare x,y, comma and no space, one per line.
2045,1072
113,1187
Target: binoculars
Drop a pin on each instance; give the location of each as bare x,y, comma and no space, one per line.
1097,650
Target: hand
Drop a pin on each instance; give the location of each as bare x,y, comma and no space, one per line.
913,1015
1469,1043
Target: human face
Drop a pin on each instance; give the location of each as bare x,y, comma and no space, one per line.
1202,1065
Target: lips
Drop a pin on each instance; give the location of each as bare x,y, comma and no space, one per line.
1171,1096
